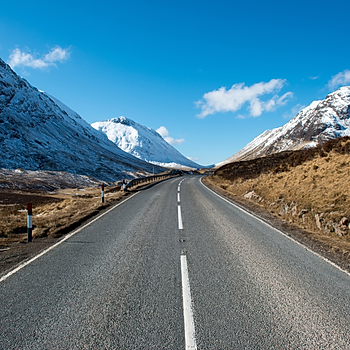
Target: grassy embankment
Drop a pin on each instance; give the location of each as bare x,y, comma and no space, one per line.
309,189
67,210
55,217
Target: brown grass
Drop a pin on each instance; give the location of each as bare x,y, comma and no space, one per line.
313,193
54,218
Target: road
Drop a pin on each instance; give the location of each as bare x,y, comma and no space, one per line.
176,267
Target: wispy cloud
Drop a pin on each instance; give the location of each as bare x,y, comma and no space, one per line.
294,111
232,100
342,78
19,58
314,78
163,131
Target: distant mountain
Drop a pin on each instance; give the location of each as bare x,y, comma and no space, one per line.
143,143
38,132
317,123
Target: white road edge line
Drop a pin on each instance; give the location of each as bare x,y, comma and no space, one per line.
179,216
276,229
3,278
178,197
190,334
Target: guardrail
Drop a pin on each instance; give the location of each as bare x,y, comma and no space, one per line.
150,179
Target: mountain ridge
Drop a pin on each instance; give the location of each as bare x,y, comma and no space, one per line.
143,142
317,123
38,132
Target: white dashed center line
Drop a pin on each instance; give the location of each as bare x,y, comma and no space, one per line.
190,334
179,216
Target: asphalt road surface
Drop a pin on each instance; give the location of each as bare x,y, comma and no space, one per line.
176,267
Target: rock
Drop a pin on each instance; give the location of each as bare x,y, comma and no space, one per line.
343,229
318,221
284,209
328,227
252,195
304,217
294,210
302,212
337,229
340,230
344,221
249,195
272,204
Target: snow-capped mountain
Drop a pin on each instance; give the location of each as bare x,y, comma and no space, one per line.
143,143
38,132
317,123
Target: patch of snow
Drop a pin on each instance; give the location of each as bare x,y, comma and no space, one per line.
143,143
318,122
39,132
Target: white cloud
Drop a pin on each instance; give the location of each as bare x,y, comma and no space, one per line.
163,131
22,59
314,78
232,100
294,111
342,78
57,54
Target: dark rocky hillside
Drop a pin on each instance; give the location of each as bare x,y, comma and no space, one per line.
280,162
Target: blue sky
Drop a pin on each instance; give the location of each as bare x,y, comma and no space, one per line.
215,74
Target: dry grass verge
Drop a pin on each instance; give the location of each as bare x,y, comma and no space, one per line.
67,210
54,214
313,194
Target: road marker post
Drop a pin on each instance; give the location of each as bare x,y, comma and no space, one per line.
103,193
30,223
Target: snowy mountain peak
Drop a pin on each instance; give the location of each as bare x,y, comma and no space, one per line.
122,120
38,132
319,122
143,143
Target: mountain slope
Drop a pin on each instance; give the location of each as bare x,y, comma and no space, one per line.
142,142
39,132
317,123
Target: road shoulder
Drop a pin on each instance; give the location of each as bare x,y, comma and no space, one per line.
21,252
300,235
